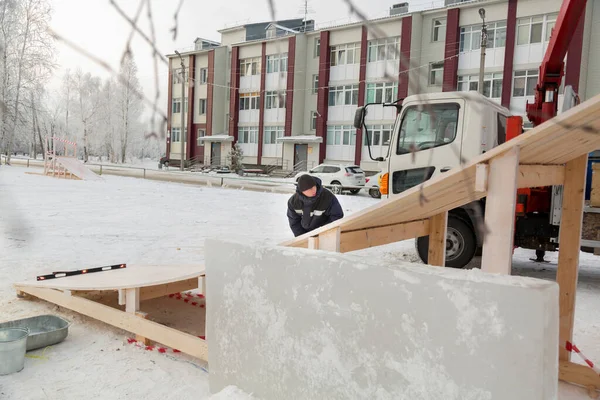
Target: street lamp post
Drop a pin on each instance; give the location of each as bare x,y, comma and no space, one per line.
182,109
483,47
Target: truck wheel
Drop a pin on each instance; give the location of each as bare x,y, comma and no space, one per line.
375,193
461,244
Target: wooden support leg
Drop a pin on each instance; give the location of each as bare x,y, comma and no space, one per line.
330,240
132,300
437,240
141,338
500,213
569,244
313,243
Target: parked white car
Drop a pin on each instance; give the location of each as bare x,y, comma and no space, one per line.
372,182
341,177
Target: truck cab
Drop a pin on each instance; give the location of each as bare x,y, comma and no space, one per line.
434,133
439,131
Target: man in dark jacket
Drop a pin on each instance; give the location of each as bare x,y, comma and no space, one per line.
312,206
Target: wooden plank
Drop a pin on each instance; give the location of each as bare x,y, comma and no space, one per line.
437,240
330,240
182,341
500,213
135,275
569,244
152,292
568,136
313,243
379,236
595,194
481,177
578,374
140,338
540,175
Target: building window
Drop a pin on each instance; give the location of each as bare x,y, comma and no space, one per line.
439,30
176,107
529,30
382,92
202,106
249,101
203,76
378,135
345,54
201,134
343,95
470,36
248,134
250,66
175,134
492,84
317,52
436,74
277,63
341,135
275,99
313,120
550,22
524,83
271,133
384,49
315,84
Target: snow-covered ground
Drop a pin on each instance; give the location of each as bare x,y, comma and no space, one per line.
48,223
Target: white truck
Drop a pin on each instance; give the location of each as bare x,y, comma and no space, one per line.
436,132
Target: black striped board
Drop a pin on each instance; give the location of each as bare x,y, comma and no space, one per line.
63,274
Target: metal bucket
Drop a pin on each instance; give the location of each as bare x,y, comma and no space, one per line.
13,344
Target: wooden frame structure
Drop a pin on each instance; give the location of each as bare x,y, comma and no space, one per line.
554,153
133,285
51,166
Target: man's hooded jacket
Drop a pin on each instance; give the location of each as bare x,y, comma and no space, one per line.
309,213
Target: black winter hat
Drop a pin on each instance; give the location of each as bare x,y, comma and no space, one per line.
306,182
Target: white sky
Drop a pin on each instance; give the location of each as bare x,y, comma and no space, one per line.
97,27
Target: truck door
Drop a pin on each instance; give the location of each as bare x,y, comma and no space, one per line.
428,143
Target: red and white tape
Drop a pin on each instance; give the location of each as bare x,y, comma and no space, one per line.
188,298
572,348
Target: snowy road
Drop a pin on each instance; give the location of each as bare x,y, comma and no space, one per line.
47,223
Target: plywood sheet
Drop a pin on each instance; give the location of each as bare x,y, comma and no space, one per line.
564,138
134,276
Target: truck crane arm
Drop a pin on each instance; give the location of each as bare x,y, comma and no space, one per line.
545,104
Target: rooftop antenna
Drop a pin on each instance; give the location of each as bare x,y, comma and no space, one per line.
305,9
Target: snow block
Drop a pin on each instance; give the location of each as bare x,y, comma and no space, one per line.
286,323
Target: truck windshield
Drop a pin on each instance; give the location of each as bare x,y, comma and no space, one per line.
433,126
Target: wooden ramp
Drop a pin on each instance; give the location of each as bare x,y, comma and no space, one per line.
554,153
134,284
78,169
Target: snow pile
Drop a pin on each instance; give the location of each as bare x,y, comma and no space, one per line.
232,393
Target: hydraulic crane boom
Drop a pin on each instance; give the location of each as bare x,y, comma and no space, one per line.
545,104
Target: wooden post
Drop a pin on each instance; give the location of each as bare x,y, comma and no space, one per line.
437,240
141,338
330,240
313,242
569,244
132,300
500,213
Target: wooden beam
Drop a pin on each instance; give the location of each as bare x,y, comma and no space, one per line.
152,292
481,177
330,240
140,338
540,175
569,240
500,213
578,374
181,341
313,243
371,237
437,239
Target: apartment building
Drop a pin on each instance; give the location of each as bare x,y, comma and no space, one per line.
287,93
